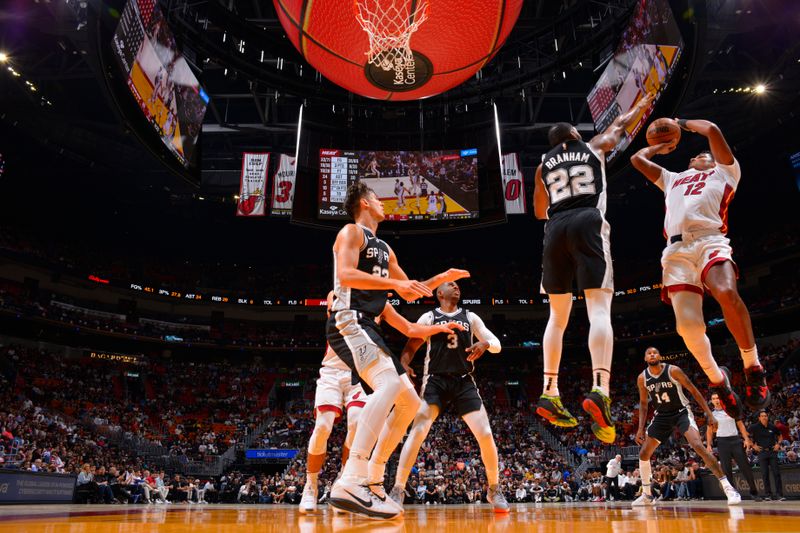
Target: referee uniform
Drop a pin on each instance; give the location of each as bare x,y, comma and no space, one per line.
731,448
767,436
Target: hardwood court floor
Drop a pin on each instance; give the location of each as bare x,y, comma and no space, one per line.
698,517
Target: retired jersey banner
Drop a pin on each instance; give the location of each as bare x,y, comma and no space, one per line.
283,186
513,185
253,185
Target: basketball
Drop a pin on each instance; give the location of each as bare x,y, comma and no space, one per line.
663,130
331,38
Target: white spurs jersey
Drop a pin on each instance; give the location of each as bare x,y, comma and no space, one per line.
332,360
698,201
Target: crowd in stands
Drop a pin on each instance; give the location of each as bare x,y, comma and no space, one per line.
60,414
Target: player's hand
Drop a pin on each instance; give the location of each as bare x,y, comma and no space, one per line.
454,274
411,289
640,437
709,449
476,350
757,448
446,328
409,370
748,444
646,100
665,148
711,421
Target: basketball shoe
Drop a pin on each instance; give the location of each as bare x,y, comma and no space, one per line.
308,503
551,409
756,391
734,498
729,399
357,498
643,500
598,406
496,498
397,495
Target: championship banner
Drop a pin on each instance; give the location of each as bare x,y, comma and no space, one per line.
252,185
283,187
513,185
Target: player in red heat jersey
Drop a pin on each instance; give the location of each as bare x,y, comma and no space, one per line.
698,257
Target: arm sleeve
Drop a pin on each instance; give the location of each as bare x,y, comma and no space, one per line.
480,330
426,319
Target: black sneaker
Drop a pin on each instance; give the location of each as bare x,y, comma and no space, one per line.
757,498
756,391
729,399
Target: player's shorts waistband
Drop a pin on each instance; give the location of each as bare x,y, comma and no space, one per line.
689,236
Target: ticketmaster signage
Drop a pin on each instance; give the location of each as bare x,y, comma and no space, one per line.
271,454
17,486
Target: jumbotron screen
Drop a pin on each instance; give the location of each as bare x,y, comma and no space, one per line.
643,63
160,79
429,185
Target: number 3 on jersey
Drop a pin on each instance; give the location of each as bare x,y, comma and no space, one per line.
562,185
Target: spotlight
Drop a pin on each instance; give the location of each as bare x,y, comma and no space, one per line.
760,88
3,57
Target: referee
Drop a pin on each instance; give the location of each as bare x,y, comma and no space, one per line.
766,438
730,445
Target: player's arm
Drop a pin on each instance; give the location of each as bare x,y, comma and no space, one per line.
643,399
606,141
541,201
745,435
412,345
719,146
641,160
486,339
709,436
415,330
678,375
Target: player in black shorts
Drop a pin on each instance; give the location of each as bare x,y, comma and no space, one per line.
448,382
663,386
365,269
570,192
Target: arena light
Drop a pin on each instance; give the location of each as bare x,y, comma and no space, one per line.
760,88
3,57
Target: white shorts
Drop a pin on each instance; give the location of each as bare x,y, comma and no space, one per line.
685,264
335,391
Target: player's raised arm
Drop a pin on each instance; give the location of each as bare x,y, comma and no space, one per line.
719,146
678,375
486,339
606,141
643,399
641,160
541,201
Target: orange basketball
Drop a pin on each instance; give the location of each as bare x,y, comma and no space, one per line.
455,40
663,130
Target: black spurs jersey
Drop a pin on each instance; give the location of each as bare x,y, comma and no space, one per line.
574,176
666,394
372,259
446,352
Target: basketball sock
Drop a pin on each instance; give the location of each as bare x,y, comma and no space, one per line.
386,386
601,337
688,308
550,387
323,425
401,477
750,357
314,463
312,479
552,344
647,474
478,423
376,471
724,482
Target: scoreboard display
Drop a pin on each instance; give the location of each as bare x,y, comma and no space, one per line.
413,185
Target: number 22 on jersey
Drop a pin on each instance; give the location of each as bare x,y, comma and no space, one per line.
564,183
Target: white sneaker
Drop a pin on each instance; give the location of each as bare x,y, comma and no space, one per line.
377,488
734,498
496,498
643,500
398,495
308,503
360,499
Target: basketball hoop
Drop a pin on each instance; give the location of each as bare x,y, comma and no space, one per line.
389,25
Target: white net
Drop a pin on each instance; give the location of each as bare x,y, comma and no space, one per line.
390,25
